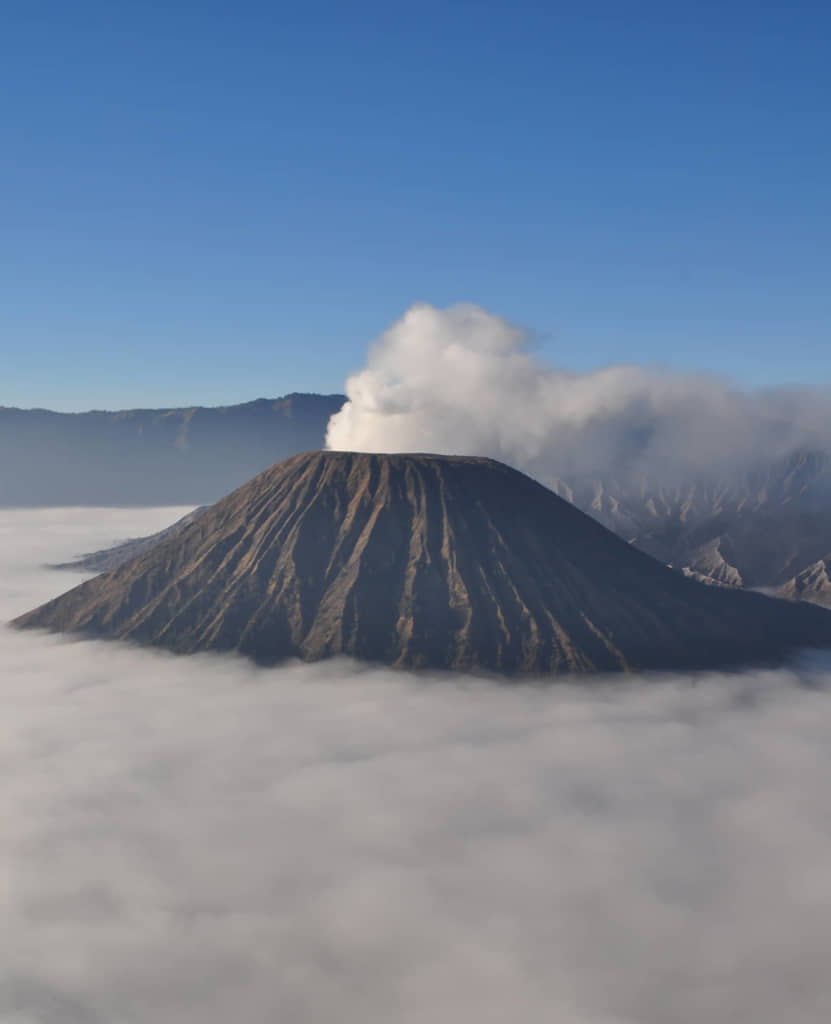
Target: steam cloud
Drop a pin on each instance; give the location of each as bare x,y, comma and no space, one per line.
195,840
463,381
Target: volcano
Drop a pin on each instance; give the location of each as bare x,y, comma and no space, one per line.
423,561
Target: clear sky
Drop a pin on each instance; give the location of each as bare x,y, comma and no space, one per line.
208,202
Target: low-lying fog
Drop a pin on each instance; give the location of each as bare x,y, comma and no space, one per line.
193,840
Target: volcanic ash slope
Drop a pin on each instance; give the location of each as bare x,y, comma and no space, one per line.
424,561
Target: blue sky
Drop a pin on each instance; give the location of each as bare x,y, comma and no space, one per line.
207,202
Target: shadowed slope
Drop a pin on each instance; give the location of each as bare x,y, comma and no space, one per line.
421,560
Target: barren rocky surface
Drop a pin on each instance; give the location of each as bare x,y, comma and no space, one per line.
812,584
425,561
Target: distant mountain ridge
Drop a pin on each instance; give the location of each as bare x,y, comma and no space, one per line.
753,528
426,561
188,456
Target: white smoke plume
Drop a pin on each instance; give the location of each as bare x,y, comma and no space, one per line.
463,381
194,840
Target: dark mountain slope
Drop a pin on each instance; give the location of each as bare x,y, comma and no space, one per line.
152,456
427,561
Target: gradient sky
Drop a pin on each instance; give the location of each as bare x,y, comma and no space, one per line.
207,202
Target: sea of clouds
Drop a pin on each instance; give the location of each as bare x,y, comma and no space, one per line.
196,841
462,380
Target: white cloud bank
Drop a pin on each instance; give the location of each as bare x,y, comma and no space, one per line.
193,840
463,381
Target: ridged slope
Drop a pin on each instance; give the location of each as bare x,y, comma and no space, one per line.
767,524
812,584
426,561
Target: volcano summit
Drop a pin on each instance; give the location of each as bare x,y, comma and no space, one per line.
425,561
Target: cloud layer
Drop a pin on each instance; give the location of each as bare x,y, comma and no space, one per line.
463,381
194,840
